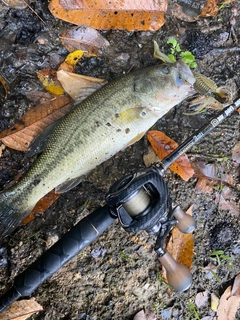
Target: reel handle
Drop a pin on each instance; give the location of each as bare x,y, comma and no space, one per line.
178,275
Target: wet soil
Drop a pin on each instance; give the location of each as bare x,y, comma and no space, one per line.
125,278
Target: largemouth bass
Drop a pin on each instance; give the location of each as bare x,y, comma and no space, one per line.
112,118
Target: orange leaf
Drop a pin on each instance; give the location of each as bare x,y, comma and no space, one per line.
20,135
112,14
5,86
41,206
210,9
163,145
84,38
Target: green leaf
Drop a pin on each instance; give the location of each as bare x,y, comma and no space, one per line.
189,59
172,57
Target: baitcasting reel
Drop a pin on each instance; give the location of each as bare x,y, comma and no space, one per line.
141,202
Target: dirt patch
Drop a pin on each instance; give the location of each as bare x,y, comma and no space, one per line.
126,277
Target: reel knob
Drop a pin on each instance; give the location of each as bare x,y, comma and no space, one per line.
185,222
178,275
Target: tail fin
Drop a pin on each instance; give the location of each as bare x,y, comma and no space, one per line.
11,213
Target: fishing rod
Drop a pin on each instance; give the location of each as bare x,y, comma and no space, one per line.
140,201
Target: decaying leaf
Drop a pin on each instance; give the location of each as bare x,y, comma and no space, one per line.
214,302
17,4
49,81
201,299
5,86
21,310
236,152
145,315
84,38
112,14
21,134
150,157
229,301
228,200
78,86
210,9
41,206
177,10
210,175
180,246
163,145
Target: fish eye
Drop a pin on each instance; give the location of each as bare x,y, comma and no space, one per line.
166,70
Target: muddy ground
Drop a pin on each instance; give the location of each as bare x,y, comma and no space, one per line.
126,278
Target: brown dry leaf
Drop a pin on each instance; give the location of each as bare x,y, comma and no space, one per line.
21,310
112,14
20,135
176,10
145,315
210,9
236,152
78,86
210,175
17,4
229,302
41,206
205,185
5,86
202,299
227,200
49,81
180,246
84,38
163,145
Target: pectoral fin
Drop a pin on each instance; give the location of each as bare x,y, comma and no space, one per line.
68,185
39,143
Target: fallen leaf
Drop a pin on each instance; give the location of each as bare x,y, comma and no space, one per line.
21,134
229,302
84,38
236,286
17,4
205,185
210,9
227,200
210,175
5,86
150,157
236,152
21,310
147,315
214,302
176,10
78,86
112,14
49,81
41,206
163,146
201,299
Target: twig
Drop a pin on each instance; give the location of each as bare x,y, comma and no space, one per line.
34,12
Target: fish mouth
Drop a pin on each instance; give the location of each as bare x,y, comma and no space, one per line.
183,74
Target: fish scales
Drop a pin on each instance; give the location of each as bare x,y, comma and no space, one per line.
109,120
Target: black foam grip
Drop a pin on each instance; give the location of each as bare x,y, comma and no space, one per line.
80,236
